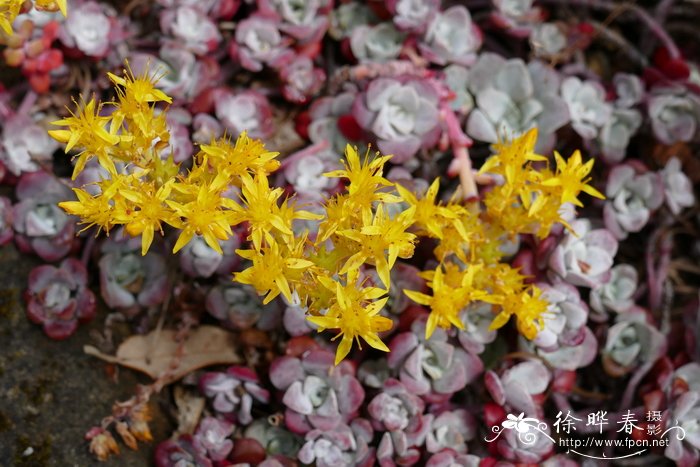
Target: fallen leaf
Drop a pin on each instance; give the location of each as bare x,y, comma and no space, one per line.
189,410
170,360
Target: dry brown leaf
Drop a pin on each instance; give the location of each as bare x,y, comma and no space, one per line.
189,410
170,360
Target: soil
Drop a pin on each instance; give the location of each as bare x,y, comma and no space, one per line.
51,393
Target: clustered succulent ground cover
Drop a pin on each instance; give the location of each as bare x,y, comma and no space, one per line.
365,233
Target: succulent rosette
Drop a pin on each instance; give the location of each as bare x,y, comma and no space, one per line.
401,114
40,226
233,392
58,298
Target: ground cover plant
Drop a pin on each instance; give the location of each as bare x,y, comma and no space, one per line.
409,232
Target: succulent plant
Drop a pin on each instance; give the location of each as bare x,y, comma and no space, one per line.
401,114
451,37
301,80
258,42
342,445
198,259
376,43
128,280
180,451
516,16
58,298
631,342
519,386
348,16
412,15
584,256
331,121
192,27
236,305
305,21
457,80
512,97
184,75
24,145
632,195
234,392
314,396
451,429
629,90
684,413
451,458
548,40
434,367
40,225
91,29
616,133
477,332
520,449
399,414
247,111
276,440
212,438
587,107
617,294
674,114
678,189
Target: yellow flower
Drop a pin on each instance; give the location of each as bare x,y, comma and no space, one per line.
429,215
528,307
381,240
52,5
511,157
9,9
204,215
145,212
87,130
246,157
92,210
365,179
354,314
571,178
272,270
447,300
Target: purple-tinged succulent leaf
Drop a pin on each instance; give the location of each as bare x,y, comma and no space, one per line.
258,42
23,144
191,27
305,21
520,449
326,113
548,40
301,80
477,319
678,189
180,452
617,294
457,79
629,89
451,458
412,15
91,28
630,343
512,97
587,107
402,115
517,17
40,225
516,387
674,114
342,445
245,111
564,319
631,198
684,413
451,37
129,280
58,298
451,429
584,258
616,133
348,16
315,396
197,259
238,306
234,392
276,440
433,368
212,438
378,43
